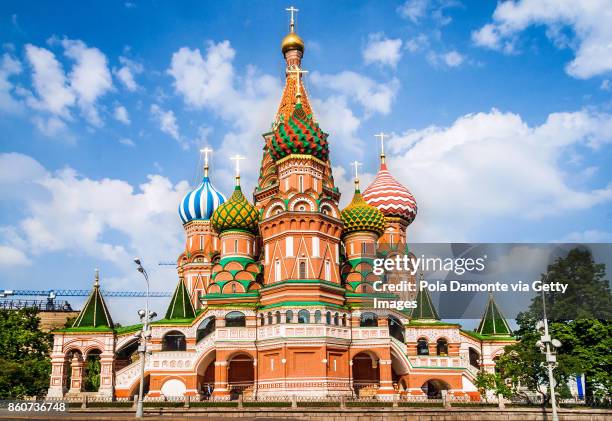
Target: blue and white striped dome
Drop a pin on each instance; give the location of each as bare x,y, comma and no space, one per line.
201,202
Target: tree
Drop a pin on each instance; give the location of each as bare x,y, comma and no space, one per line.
579,319
24,354
492,382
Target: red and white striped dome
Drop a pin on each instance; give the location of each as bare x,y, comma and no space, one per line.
388,195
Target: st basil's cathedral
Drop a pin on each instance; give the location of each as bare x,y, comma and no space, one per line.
274,295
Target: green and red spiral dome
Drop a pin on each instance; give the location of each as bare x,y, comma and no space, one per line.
298,135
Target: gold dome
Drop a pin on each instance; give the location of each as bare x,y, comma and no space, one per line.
292,42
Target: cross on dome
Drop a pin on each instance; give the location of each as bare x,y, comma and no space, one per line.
237,158
206,151
293,12
356,165
382,136
298,75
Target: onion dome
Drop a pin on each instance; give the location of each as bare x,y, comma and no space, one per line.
235,214
201,202
359,216
292,42
388,195
300,134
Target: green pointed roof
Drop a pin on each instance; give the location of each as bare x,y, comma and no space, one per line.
493,322
180,306
94,313
425,310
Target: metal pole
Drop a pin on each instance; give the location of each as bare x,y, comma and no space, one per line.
549,363
143,344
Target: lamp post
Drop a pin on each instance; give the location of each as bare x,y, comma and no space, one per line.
547,346
145,334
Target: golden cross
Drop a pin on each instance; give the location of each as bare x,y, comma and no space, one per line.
292,10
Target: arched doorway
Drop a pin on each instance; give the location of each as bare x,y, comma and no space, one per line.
366,374
91,371
73,356
240,375
433,388
206,375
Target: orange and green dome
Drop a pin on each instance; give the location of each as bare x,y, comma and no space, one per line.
359,216
298,134
235,214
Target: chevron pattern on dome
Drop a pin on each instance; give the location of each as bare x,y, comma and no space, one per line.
201,202
392,198
298,135
236,214
359,216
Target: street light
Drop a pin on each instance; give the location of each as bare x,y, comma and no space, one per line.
145,334
547,346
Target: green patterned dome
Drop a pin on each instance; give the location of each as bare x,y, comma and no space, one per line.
235,214
359,216
300,134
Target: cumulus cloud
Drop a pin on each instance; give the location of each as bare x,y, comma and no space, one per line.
589,23
126,73
371,95
419,10
449,59
9,66
167,121
414,10
495,167
75,214
587,236
382,50
121,114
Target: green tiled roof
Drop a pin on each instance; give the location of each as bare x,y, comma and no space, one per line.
180,306
493,322
425,309
95,313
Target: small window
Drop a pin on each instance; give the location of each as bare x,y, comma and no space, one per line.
303,273
289,316
337,319
262,320
327,271
270,318
235,246
328,318
344,320
235,319
174,341
422,347
278,317
442,347
301,184
233,288
303,316
318,316
277,270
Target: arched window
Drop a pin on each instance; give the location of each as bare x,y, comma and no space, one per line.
303,316
235,246
442,347
396,330
174,341
336,319
368,320
328,318
233,288
303,270
205,328
262,319
277,271
289,316
422,347
270,318
278,317
318,316
474,357
301,183
344,320
327,271
235,319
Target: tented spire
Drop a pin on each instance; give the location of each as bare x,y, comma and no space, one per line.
425,310
493,321
180,306
94,313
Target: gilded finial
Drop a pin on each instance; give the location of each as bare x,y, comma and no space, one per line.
206,151
292,41
356,165
381,135
292,10
237,158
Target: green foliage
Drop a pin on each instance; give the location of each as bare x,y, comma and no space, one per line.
24,355
579,319
91,381
493,382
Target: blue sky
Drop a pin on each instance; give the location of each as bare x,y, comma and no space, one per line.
500,119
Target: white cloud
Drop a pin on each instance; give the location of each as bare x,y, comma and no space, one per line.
167,121
371,95
589,22
414,10
81,216
52,127
10,256
49,81
605,85
127,142
492,166
382,50
247,103
9,66
587,236
90,77
127,71
334,112
417,43
121,114
449,59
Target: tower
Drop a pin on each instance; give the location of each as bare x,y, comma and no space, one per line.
202,243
